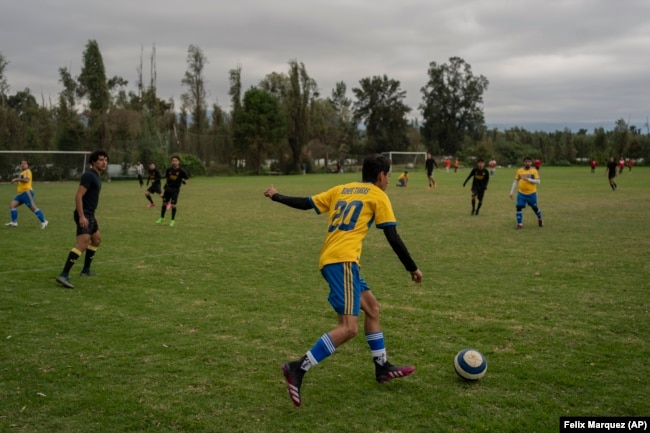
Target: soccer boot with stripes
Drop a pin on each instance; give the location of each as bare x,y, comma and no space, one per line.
294,374
388,371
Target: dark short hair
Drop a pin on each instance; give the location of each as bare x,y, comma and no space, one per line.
373,165
480,160
96,154
177,157
527,158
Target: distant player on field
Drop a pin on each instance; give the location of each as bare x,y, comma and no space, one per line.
430,164
153,178
493,166
139,171
403,179
175,176
25,196
526,181
479,184
611,173
352,208
621,165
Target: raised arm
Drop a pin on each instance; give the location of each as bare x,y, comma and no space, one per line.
302,203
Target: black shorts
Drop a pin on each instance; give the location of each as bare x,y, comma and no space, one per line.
171,195
478,192
154,188
92,227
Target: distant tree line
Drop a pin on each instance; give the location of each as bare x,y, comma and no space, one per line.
284,119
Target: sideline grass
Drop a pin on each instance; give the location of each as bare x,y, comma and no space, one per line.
185,328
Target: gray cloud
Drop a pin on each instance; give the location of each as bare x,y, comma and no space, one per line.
548,61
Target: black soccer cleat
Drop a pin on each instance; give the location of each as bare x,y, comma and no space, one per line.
388,371
64,281
293,374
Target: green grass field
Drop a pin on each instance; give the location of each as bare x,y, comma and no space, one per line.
185,327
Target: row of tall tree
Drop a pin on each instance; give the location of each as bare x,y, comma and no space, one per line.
284,118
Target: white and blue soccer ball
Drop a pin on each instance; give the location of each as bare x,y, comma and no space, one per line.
470,364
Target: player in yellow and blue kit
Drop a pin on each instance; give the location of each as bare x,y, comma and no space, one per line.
526,181
25,196
353,208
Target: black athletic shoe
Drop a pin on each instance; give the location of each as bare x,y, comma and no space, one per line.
293,374
388,371
540,222
64,281
476,213
472,211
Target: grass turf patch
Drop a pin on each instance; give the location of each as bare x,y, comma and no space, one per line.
185,327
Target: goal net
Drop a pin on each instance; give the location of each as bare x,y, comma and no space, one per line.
406,161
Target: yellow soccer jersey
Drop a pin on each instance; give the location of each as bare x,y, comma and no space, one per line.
523,186
352,208
25,186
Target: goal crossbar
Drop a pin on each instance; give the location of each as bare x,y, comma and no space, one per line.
415,155
85,153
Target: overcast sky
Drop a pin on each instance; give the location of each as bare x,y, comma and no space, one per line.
566,63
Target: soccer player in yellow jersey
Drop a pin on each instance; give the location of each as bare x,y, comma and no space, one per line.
403,180
25,196
526,181
353,208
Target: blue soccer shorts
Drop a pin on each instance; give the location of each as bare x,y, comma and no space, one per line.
527,199
26,198
346,285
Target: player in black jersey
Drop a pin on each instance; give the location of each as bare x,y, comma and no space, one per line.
611,173
153,178
479,184
86,202
430,163
175,177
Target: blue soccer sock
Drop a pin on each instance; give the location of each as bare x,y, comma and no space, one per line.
323,348
39,215
377,346
14,215
520,217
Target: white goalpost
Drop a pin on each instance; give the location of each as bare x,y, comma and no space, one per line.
406,160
